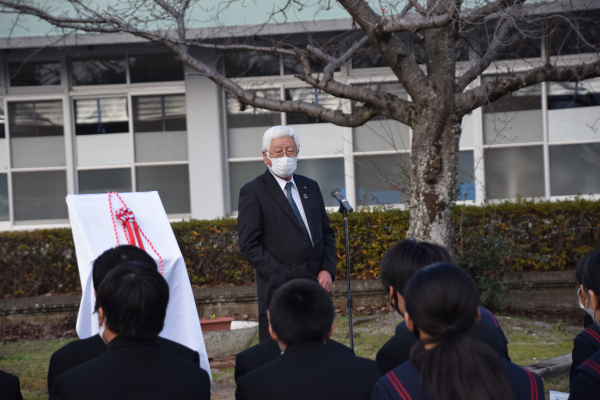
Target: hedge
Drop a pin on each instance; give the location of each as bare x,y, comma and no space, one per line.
525,235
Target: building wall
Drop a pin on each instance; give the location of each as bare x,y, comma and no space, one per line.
130,118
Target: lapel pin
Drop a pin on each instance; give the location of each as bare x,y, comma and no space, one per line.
305,196
304,187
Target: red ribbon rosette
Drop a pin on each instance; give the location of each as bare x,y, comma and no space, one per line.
133,232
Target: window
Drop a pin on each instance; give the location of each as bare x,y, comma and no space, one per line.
466,176
574,169
514,171
40,195
36,134
30,73
368,57
514,119
565,36
104,180
381,179
329,174
381,134
155,68
246,125
251,63
4,197
574,111
3,140
102,131
160,128
98,70
310,95
172,184
98,116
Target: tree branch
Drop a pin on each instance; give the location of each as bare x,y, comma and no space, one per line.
498,42
507,84
335,64
391,47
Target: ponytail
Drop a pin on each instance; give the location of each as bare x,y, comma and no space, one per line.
442,301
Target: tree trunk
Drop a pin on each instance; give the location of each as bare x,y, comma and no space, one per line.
436,133
434,169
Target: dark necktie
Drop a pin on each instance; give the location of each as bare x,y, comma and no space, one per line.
288,191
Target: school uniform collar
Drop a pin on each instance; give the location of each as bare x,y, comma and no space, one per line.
305,345
120,342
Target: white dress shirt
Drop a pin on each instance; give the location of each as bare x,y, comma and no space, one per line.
297,200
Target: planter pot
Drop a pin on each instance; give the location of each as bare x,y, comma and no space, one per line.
217,324
231,342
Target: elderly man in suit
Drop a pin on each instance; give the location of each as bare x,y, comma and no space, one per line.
282,222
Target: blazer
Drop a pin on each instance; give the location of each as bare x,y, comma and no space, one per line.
586,383
397,350
10,387
310,370
585,345
84,350
404,383
268,350
133,369
270,236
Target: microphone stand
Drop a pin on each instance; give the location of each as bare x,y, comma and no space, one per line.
343,211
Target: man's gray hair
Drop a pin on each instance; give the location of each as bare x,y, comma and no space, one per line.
279,131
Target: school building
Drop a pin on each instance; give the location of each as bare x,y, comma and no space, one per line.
93,113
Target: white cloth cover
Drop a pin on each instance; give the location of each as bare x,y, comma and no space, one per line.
93,233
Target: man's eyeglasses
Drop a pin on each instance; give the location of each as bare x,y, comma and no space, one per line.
281,153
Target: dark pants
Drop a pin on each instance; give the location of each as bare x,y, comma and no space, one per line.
263,327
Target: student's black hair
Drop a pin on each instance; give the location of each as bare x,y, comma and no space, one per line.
115,256
589,269
442,301
301,310
134,298
581,265
405,258
285,276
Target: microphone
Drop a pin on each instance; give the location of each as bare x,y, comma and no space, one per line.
343,202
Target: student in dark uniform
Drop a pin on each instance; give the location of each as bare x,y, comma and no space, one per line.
10,388
446,364
132,304
588,340
80,351
586,384
398,265
268,350
586,345
301,320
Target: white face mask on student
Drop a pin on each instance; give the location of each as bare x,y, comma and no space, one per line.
284,166
102,329
587,308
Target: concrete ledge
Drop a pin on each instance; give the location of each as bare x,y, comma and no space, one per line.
536,290
552,368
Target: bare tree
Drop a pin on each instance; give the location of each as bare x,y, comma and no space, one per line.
441,94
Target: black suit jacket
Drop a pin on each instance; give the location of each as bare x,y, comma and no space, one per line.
270,236
10,388
133,369
311,370
84,350
397,350
268,350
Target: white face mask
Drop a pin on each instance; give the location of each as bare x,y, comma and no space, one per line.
284,166
587,309
102,329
